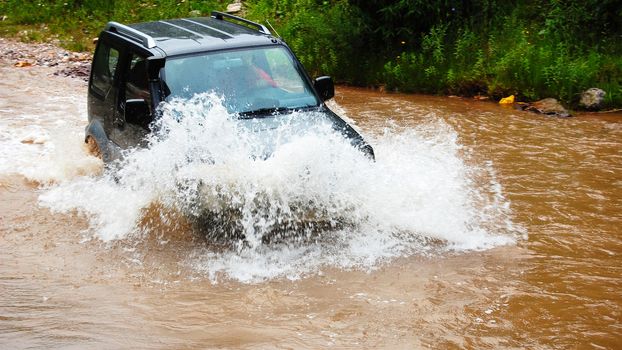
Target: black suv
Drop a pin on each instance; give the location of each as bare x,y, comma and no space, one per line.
137,67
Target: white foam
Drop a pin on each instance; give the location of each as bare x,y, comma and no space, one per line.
63,156
419,195
44,141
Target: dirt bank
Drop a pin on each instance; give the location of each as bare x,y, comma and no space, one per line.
67,63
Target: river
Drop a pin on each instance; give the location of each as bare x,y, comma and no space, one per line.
478,227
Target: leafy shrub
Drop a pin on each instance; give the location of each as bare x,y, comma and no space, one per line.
323,34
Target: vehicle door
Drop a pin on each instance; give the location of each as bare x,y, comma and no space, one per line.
131,124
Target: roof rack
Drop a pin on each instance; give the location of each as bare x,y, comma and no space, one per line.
146,40
222,15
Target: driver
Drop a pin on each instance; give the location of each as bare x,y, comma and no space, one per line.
262,78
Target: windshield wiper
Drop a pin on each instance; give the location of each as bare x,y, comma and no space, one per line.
266,112
270,111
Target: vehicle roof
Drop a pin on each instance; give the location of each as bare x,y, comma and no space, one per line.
188,35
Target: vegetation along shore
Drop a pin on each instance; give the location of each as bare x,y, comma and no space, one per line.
530,49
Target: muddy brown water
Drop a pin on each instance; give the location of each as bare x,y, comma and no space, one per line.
560,288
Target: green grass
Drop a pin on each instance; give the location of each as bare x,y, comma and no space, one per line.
75,23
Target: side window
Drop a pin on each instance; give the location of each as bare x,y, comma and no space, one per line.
104,68
137,83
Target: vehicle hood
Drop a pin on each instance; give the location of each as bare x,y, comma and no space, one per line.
271,131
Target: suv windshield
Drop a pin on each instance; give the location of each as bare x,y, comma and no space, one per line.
250,80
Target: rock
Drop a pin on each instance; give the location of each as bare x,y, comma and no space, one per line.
82,71
548,106
521,106
79,56
22,64
195,13
234,7
592,98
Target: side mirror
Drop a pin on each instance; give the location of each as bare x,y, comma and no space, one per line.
325,87
137,112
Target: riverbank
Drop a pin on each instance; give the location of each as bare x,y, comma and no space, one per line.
479,48
78,64
64,62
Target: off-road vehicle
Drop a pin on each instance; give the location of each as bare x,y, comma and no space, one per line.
136,67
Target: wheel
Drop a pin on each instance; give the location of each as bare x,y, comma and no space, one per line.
93,147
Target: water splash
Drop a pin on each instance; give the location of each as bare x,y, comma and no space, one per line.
44,150
294,182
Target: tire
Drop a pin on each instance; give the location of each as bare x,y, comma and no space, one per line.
93,147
